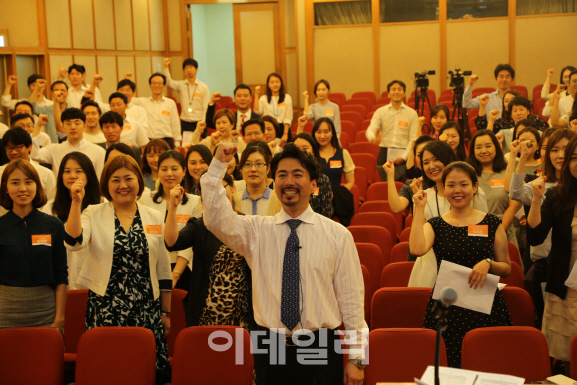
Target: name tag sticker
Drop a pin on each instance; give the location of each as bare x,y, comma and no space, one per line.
42,240
126,128
336,164
329,112
478,230
153,230
182,219
166,113
197,95
403,124
497,183
283,104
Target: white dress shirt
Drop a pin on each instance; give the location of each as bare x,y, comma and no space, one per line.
3,129
94,138
193,207
398,127
283,112
565,106
133,132
75,97
329,110
194,98
47,179
10,103
162,118
42,140
495,101
54,153
330,271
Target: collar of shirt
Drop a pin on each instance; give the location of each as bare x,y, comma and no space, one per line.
15,219
79,144
390,106
265,194
188,83
308,216
162,99
247,114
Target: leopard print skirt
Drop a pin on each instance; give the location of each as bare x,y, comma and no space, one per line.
228,301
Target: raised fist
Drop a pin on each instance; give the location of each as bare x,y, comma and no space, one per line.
166,62
473,79
62,72
306,94
493,115
484,100
127,75
12,79
215,97
42,120
97,79
550,72
257,90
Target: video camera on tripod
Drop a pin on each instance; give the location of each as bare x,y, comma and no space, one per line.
422,97
458,78
421,78
458,85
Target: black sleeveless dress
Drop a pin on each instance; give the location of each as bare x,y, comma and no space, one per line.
454,245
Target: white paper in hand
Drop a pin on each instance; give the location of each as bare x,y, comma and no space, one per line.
457,276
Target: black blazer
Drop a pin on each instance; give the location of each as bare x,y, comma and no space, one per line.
135,150
210,116
560,255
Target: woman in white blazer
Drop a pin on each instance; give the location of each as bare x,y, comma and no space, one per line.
171,169
127,270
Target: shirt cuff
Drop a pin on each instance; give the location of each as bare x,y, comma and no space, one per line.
71,240
518,178
216,168
165,284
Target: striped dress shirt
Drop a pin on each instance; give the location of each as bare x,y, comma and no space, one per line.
331,279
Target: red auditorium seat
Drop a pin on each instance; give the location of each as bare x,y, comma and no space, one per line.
356,198
400,251
514,253
362,182
400,355
177,319
377,106
522,90
383,206
116,355
345,140
396,274
338,98
384,100
520,306
349,129
360,101
368,162
31,355
360,137
405,234
361,109
409,220
377,236
516,278
365,124
365,148
514,350
380,191
382,219
196,363
370,95
74,323
367,285
370,256
354,117
399,307
482,90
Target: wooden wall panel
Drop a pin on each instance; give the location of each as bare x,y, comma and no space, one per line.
82,23
19,18
141,23
123,23
104,18
125,64
143,72
89,62
156,25
57,61
58,24
176,72
107,68
26,66
174,32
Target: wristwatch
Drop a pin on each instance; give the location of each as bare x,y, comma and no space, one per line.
490,263
358,362
166,313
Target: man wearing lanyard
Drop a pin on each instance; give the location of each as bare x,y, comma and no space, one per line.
306,275
194,96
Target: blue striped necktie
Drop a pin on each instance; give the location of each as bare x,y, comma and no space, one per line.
289,305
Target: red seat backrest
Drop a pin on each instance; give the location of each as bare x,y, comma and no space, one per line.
514,253
354,117
482,90
74,323
516,278
116,355
368,291
522,352
369,95
382,219
361,101
370,256
405,234
361,109
396,274
360,136
177,319
380,191
377,236
399,307
520,306
338,98
345,141
365,148
31,355
362,182
522,90
400,355
368,162
409,221
365,124
196,362
400,252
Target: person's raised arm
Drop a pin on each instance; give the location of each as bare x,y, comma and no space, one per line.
492,117
307,110
538,188
396,202
58,99
302,121
509,214
12,79
256,104
554,102
38,90
411,158
422,235
169,82
468,101
216,96
235,231
546,86
483,100
514,146
74,223
171,226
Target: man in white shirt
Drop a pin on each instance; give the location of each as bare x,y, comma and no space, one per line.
393,127
194,95
306,275
504,76
10,103
3,127
92,131
26,122
59,91
242,98
18,145
77,76
566,103
73,121
132,131
111,123
162,112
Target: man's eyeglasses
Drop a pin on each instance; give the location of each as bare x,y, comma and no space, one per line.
12,148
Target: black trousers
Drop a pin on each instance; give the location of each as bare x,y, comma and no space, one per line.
400,170
318,363
190,126
169,141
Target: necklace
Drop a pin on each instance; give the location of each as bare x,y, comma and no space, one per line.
127,216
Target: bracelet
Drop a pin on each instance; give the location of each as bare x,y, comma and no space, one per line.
166,313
